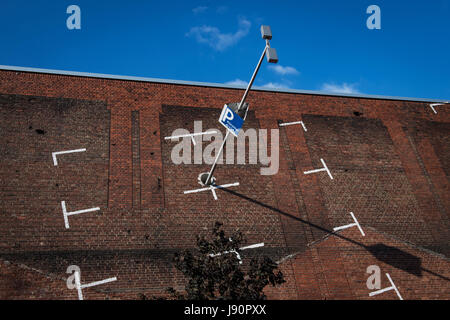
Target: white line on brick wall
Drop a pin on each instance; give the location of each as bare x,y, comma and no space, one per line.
292,123
325,168
67,214
212,189
435,105
392,287
191,135
79,286
351,225
54,154
253,246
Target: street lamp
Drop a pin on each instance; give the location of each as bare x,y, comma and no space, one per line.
206,178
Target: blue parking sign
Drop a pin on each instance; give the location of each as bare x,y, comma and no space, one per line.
231,120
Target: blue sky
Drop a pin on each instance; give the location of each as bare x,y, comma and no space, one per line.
321,45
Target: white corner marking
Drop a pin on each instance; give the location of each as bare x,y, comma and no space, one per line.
79,286
54,154
212,189
253,246
392,287
325,168
67,214
356,224
292,123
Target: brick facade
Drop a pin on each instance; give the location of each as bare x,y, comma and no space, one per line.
390,160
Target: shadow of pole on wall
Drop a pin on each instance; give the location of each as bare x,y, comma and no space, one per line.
390,255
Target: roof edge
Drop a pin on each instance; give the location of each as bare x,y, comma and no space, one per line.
209,84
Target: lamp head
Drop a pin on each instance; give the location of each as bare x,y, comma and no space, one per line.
266,33
271,55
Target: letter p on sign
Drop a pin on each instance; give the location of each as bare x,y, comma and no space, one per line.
228,114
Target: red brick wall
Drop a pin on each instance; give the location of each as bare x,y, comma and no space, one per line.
417,273
394,178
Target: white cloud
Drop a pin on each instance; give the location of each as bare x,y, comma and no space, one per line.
199,9
339,88
275,85
283,70
268,85
237,82
217,40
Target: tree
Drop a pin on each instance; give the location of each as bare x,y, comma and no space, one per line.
214,270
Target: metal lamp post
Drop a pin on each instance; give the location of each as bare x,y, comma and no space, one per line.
207,178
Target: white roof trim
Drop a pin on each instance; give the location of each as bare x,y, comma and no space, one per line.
208,84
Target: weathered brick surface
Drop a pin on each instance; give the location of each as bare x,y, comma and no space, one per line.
23,282
390,161
418,274
368,177
426,201
430,141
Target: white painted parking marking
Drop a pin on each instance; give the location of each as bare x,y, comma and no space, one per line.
356,224
96,283
292,123
212,189
392,287
54,154
214,193
325,168
253,246
191,135
78,285
435,105
67,214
